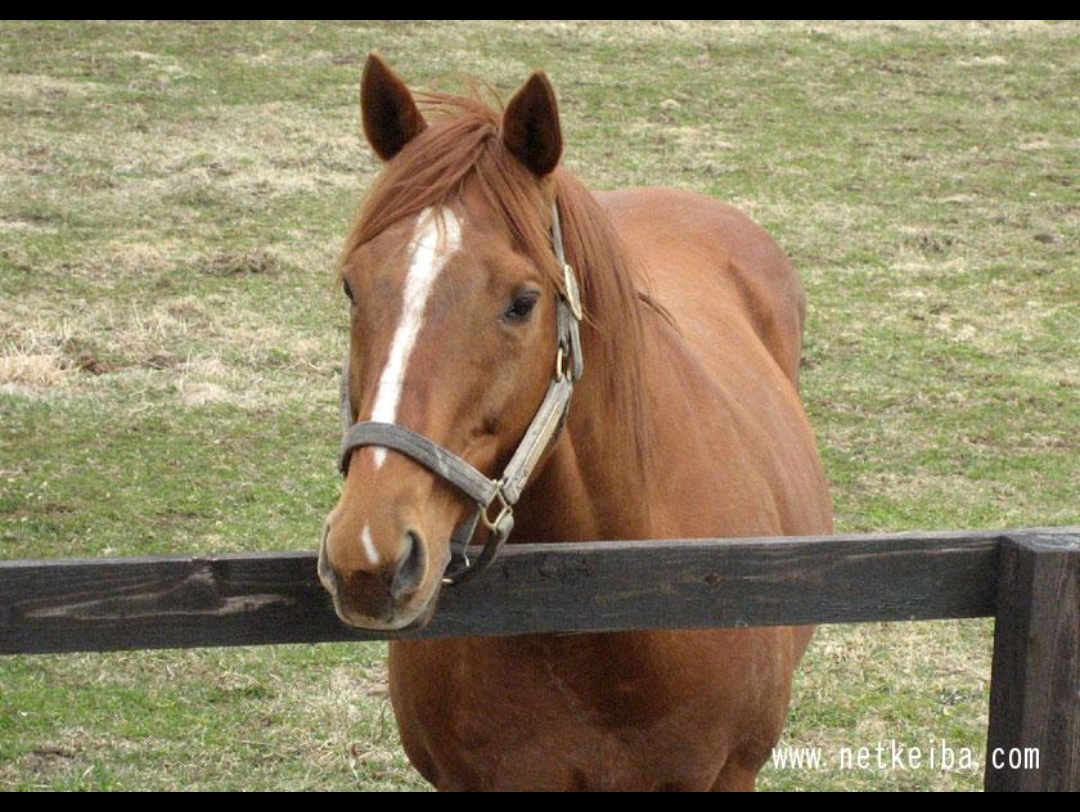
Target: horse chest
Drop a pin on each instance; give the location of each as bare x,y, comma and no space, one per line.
620,711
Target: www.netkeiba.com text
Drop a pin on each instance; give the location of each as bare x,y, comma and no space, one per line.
894,755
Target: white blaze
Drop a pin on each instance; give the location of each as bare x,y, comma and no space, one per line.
436,240
369,546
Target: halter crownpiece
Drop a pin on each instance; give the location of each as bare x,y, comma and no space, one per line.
492,496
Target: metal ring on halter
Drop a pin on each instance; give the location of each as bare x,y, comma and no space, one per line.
561,370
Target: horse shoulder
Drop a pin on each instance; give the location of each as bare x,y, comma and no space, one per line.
738,310
706,262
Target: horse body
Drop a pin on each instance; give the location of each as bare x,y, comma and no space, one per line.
686,424
648,710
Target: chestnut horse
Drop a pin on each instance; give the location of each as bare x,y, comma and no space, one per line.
686,423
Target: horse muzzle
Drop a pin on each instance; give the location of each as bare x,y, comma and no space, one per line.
386,592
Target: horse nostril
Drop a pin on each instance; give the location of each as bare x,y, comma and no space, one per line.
410,572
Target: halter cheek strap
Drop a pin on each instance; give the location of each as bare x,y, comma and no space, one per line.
492,496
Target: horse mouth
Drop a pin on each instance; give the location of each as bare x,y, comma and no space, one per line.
403,624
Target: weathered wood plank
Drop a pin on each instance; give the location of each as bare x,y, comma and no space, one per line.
1033,742
178,602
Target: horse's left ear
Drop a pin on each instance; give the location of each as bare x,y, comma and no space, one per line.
531,126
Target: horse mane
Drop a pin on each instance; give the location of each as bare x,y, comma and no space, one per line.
464,144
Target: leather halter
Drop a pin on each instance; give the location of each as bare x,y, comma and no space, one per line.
502,493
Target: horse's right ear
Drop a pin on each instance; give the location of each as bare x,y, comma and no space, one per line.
391,118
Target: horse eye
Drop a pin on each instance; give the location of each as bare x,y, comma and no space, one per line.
521,306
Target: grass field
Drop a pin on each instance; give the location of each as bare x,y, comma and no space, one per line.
172,198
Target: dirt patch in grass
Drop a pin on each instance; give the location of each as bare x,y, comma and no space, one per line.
26,368
34,87
234,263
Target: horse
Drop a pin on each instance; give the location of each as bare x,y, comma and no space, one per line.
470,248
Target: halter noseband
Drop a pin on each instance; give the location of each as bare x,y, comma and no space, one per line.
498,495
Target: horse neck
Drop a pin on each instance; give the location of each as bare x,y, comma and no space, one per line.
592,486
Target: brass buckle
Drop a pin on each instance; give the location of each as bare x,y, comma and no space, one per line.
504,509
573,295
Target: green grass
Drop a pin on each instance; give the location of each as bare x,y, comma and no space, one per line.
172,197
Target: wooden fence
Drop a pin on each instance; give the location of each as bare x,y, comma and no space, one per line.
1029,580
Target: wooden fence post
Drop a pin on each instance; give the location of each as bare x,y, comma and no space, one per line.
1034,738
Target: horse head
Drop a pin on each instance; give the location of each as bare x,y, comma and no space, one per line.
454,292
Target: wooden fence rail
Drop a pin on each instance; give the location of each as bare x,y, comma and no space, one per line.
1029,580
